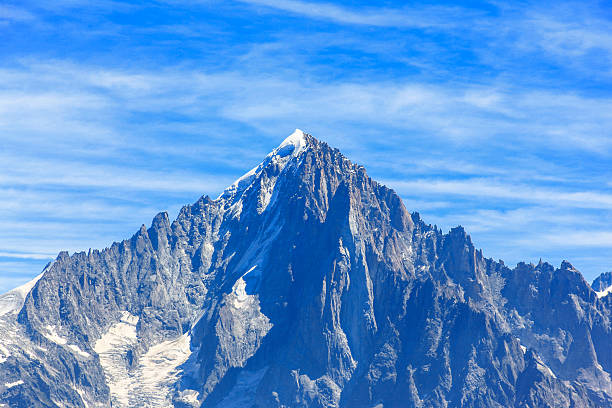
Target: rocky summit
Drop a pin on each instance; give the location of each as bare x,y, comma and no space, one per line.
304,284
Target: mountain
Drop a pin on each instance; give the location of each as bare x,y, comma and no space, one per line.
603,284
305,284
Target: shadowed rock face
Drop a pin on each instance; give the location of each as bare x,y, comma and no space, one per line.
305,284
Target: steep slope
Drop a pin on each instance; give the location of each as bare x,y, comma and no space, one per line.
305,284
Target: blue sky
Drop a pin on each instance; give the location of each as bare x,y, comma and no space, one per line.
493,115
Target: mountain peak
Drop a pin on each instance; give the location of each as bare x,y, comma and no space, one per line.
290,148
296,141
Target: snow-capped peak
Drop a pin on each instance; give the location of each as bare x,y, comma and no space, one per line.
296,142
291,147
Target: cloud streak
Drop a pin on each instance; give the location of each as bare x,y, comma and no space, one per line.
483,188
14,14
377,17
460,111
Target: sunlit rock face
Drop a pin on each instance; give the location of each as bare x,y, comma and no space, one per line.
304,284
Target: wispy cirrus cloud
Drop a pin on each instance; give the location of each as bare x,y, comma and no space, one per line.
97,101
10,13
573,33
27,255
408,17
49,173
476,188
597,238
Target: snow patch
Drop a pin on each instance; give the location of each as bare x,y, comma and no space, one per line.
12,301
82,395
240,291
545,370
57,339
78,350
241,183
604,292
58,403
189,397
4,354
128,318
151,381
118,335
13,384
240,295
54,337
113,348
267,193
158,368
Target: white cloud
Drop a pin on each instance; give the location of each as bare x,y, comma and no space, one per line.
484,188
573,239
98,103
377,17
21,255
568,30
566,33
45,172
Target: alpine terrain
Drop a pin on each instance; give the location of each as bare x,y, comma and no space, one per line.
305,284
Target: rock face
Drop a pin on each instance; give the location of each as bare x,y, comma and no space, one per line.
305,284
603,283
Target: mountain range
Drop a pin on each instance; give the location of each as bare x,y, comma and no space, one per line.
304,284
